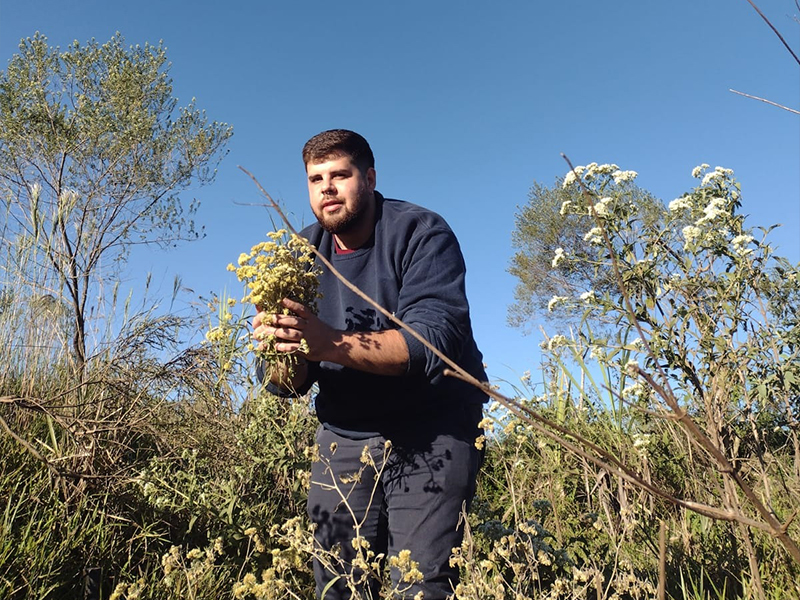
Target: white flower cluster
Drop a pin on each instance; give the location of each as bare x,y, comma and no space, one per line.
717,212
557,341
637,390
691,234
572,176
555,301
589,296
740,243
623,176
636,344
601,207
598,352
715,208
594,236
716,174
559,256
593,170
680,204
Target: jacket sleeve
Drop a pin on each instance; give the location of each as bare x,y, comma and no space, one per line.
433,300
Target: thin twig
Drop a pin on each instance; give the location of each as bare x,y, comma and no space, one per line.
37,455
771,26
610,462
662,560
791,110
541,424
25,444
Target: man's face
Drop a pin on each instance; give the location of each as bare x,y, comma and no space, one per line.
341,195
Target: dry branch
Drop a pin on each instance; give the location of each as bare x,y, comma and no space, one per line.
791,110
549,428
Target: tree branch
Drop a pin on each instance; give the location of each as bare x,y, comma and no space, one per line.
771,26
539,423
791,110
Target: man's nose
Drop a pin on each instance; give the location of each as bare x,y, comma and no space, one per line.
328,188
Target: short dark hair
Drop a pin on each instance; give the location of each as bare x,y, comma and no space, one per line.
339,142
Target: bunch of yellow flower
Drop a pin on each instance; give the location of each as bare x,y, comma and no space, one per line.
273,270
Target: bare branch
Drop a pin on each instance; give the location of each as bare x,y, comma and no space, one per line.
771,26
602,458
480,384
791,110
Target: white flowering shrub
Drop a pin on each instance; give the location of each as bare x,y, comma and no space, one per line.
557,238
697,353
707,295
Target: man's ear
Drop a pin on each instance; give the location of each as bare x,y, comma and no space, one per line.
371,179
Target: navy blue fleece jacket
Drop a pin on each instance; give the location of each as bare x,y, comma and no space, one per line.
413,267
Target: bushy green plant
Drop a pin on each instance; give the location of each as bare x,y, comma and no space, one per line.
696,375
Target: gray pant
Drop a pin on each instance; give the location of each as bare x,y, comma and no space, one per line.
406,498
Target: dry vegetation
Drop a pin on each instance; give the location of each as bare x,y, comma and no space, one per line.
655,459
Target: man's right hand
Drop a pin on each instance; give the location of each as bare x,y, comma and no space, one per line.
279,374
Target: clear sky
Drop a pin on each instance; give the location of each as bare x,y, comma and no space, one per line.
465,104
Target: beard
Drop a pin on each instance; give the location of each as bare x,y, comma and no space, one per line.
341,222
345,219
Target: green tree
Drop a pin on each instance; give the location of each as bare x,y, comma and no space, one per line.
94,153
546,230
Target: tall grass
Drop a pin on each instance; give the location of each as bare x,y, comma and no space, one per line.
545,523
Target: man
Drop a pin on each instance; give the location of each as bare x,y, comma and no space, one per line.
376,381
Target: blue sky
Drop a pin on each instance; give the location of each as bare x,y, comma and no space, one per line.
466,104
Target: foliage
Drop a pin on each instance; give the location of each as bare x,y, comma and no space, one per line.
165,471
701,365
177,477
93,155
174,517
546,230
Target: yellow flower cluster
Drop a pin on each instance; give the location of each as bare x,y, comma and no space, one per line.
282,267
278,269
409,569
189,569
278,580
270,586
